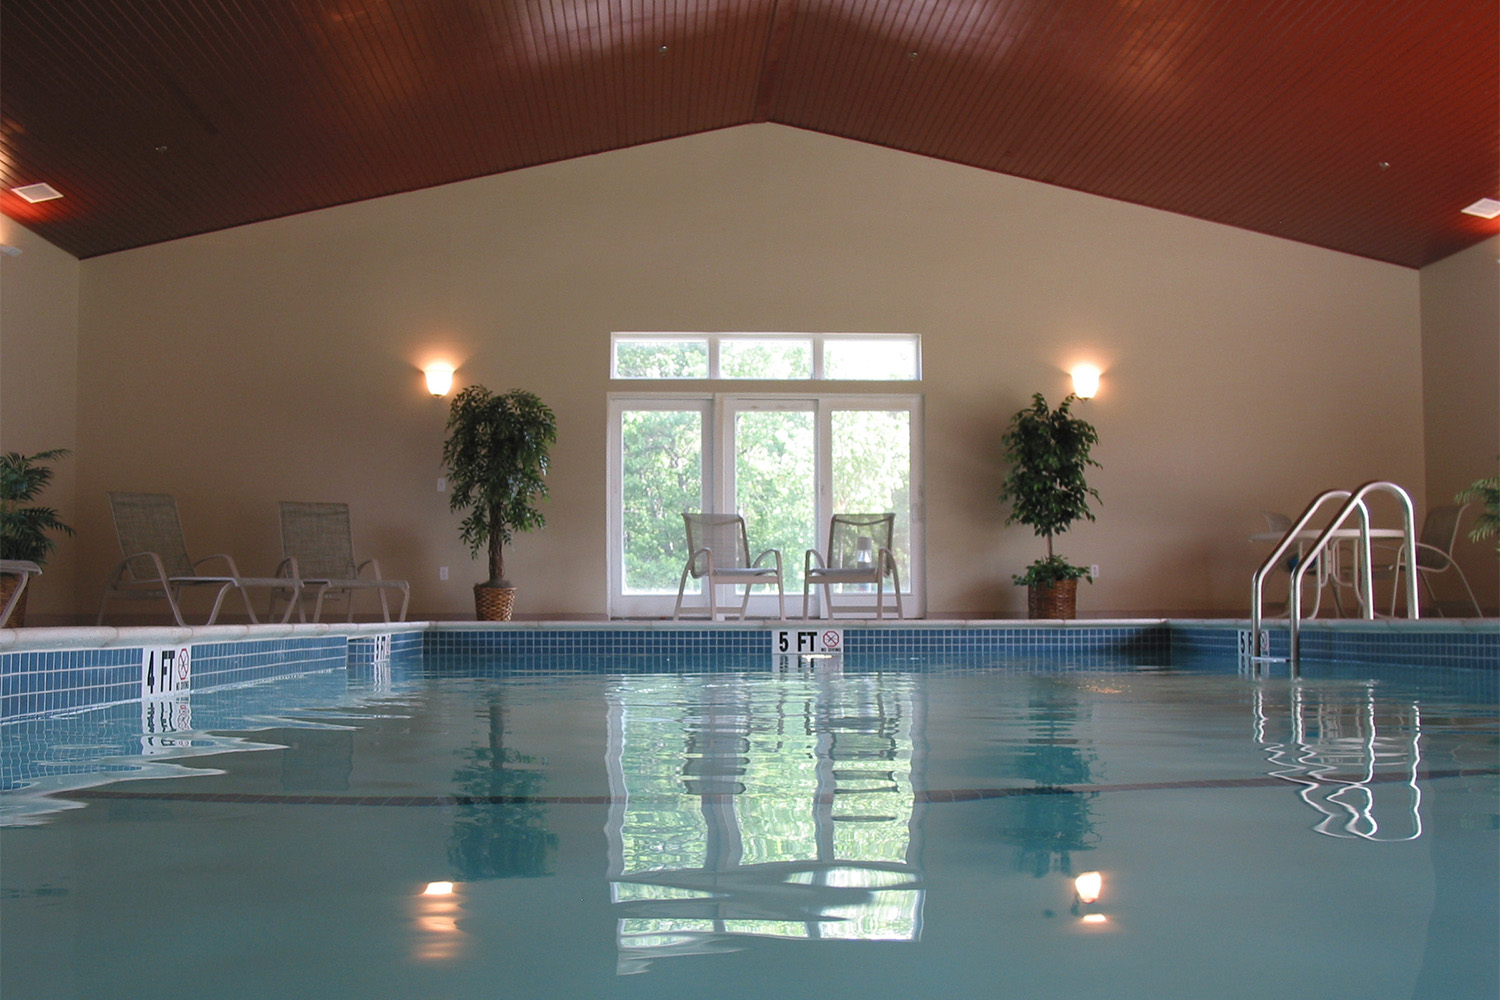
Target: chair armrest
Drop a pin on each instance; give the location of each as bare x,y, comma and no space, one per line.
769,552
886,559
228,561
156,567
708,562
288,568
807,561
374,568
1447,560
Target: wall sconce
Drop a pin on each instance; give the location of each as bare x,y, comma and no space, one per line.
1085,381
439,380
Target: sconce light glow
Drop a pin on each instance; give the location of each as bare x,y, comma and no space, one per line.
1085,381
439,379
1088,886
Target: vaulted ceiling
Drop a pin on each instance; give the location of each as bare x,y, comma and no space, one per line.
1364,126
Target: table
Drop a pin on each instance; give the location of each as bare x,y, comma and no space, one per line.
1330,566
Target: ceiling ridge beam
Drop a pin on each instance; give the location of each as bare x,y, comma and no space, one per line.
783,13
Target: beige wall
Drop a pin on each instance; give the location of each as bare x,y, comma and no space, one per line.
281,360
38,389
1461,386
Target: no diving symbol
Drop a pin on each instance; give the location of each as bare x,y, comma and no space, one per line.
831,640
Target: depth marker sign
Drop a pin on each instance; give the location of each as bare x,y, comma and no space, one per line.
808,640
165,672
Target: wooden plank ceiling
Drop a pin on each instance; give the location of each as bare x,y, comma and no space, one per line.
1357,125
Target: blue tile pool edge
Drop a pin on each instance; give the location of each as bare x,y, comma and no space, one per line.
50,671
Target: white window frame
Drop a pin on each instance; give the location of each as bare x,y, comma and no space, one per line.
718,408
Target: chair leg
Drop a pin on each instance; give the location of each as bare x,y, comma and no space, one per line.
806,586
1478,612
780,599
681,586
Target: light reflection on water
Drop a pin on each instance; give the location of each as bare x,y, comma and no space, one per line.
756,810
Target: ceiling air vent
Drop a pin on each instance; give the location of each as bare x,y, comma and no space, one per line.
1485,208
38,192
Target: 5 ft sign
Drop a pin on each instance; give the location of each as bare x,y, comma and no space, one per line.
165,672
806,641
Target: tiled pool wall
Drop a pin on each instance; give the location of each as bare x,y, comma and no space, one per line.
42,682
625,650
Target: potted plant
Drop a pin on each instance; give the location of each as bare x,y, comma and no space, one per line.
497,460
1048,452
1487,492
24,526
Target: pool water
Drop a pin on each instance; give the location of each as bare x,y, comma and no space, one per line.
453,831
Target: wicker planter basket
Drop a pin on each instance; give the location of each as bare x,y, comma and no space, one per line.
8,585
493,604
1052,600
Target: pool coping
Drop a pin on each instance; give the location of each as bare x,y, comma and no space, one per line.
104,636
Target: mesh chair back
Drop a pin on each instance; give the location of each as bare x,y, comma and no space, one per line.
724,534
148,522
1439,530
317,535
1276,521
855,539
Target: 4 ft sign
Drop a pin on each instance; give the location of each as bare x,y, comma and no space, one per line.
165,672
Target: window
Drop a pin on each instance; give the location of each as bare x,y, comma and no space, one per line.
869,357
786,462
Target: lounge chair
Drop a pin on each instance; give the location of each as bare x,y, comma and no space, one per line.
719,552
317,549
24,570
156,563
859,552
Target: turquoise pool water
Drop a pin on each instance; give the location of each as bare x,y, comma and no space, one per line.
449,829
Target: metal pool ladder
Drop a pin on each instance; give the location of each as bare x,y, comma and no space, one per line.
1258,650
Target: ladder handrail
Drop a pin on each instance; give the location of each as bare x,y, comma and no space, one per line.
1257,582
1364,584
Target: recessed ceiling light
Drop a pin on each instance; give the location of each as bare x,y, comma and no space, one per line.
1485,208
37,192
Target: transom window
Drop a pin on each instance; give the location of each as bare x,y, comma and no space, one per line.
865,357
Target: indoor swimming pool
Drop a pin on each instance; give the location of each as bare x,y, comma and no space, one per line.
456,825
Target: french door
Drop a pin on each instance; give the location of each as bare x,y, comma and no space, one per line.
786,463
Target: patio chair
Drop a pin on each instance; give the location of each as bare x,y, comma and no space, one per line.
156,563
317,549
1434,556
859,552
719,552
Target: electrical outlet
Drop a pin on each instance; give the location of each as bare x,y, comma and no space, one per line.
442,572
442,484
1094,570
